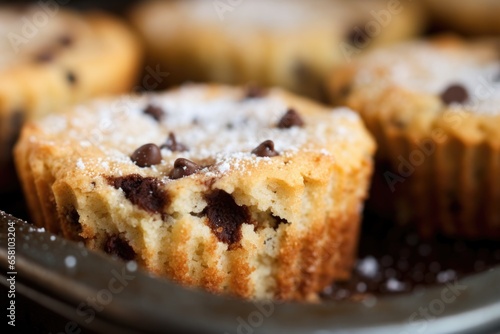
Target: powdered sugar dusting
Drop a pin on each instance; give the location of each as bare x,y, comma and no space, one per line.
80,164
220,130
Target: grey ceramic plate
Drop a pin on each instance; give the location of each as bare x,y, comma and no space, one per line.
95,292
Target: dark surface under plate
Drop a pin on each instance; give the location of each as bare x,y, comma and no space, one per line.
401,284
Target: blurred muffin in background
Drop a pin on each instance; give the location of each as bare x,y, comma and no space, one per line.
52,57
291,43
434,109
465,16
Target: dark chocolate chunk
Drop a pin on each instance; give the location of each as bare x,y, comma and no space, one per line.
255,92
455,94
71,77
266,149
145,192
278,221
73,217
225,217
156,112
183,167
146,155
173,145
116,246
290,119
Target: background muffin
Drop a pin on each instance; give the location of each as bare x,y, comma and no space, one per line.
52,58
433,107
292,44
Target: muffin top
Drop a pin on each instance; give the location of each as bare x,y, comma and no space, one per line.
52,57
215,125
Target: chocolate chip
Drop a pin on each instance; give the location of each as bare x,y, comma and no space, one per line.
156,112
145,192
278,221
290,119
455,94
116,246
65,41
225,217
183,167
255,92
173,145
44,57
71,77
146,155
265,149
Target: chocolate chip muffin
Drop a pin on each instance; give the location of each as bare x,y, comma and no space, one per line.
433,106
290,43
51,57
469,17
241,191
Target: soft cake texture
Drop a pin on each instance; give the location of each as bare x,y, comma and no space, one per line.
277,226
434,108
